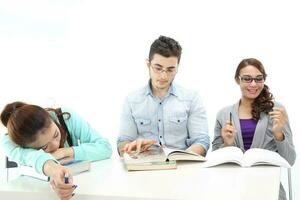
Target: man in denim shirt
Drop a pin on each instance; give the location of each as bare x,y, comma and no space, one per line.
162,112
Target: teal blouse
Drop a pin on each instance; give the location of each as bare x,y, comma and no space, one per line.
88,144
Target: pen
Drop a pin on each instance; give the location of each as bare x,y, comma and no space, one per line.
230,118
66,179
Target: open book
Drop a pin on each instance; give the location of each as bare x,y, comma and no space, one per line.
75,167
251,157
156,158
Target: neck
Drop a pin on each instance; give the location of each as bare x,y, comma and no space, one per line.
160,93
246,103
245,108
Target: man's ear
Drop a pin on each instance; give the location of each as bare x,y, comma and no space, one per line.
148,63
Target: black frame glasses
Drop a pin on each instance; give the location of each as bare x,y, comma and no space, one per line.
249,79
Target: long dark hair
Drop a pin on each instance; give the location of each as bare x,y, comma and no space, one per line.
264,101
63,132
24,121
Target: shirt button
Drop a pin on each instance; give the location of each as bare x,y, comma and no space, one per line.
159,120
159,103
142,123
178,121
160,136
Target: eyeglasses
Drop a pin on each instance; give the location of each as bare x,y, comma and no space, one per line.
160,70
249,79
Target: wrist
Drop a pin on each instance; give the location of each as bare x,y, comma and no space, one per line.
49,167
70,152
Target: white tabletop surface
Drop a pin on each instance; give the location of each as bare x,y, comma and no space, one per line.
109,180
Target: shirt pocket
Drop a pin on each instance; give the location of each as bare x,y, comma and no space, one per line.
143,126
178,125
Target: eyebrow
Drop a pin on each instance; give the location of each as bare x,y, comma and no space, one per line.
251,76
171,67
55,133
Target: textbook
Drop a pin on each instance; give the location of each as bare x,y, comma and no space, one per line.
157,158
252,157
75,167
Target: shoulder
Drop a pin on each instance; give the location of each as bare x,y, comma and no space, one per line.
185,94
278,104
137,95
4,139
226,110
68,114
67,110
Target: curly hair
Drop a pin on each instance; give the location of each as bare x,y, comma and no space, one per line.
166,47
264,101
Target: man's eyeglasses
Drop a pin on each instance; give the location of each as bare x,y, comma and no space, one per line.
249,79
160,70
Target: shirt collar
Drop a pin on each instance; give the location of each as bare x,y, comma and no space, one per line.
172,89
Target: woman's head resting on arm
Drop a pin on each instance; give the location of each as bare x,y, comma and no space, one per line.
30,126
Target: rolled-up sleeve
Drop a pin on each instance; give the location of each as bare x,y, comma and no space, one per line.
197,124
128,129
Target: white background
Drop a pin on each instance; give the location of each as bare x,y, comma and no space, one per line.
88,55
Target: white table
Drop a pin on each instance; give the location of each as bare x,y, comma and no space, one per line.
109,180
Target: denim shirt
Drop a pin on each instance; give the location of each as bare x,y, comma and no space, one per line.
177,121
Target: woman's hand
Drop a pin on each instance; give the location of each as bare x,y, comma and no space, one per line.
60,153
279,119
57,175
228,133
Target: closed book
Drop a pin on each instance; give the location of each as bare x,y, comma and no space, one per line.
74,166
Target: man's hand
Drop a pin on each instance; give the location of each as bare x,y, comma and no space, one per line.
138,145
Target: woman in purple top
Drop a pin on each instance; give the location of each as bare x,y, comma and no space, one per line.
256,120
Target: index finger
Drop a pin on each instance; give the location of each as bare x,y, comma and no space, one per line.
138,145
280,109
149,141
131,146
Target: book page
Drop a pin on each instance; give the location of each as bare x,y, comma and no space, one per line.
148,156
30,171
224,155
256,156
177,154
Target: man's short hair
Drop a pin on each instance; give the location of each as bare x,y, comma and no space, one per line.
166,47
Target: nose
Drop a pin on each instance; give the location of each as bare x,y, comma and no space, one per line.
253,83
164,73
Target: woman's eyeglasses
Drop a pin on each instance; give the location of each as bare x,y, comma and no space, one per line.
249,79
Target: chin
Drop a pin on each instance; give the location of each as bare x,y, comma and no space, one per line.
252,97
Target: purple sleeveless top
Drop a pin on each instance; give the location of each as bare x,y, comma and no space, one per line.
248,128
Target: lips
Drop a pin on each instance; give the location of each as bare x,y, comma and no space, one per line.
162,82
252,91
